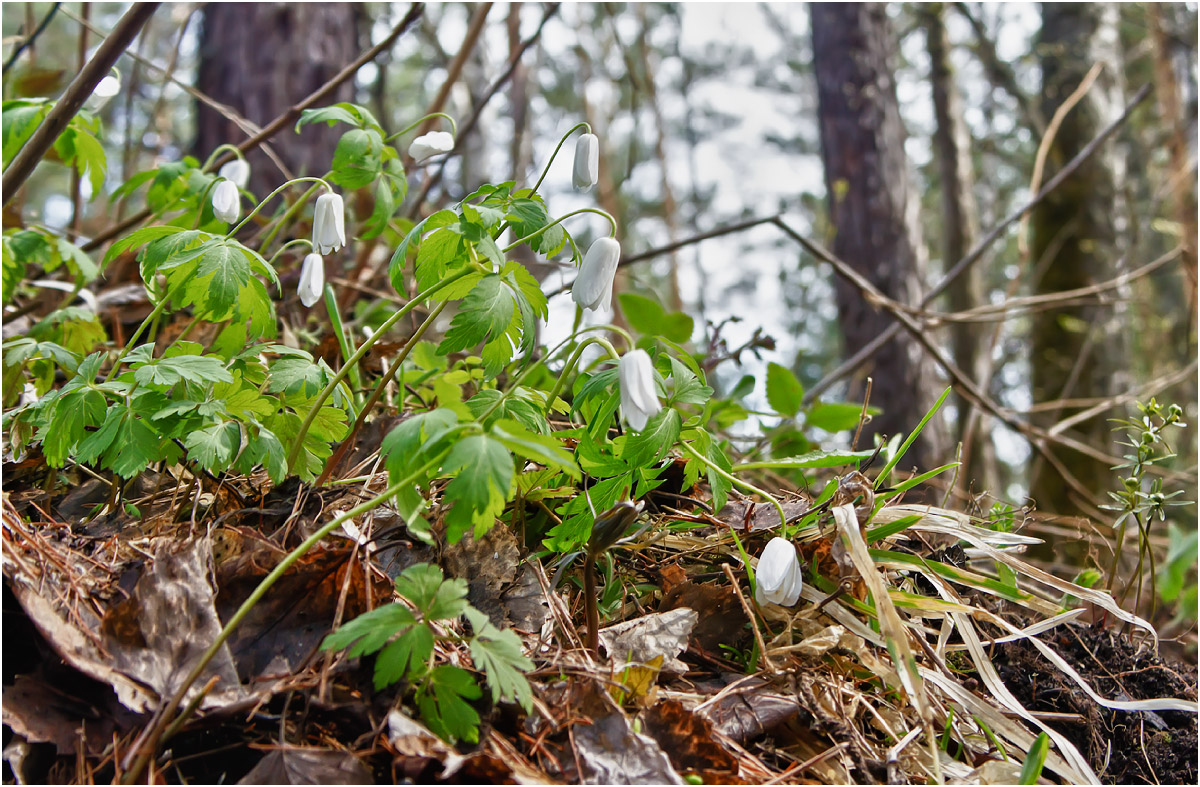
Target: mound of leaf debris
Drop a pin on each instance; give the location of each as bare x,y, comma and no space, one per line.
1123,747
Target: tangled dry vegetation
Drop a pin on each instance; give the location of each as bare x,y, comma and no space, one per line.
950,676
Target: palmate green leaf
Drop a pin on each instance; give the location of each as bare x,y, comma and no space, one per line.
685,386
214,447
498,653
370,631
449,601
785,394
409,444
193,368
342,112
442,700
396,266
528,216
652,443
419,584
485,314
72,412
407,655
543,449
577,518
296,376
139,238
481,488
21,117
264,448
97,442
515,406
136,447
437,252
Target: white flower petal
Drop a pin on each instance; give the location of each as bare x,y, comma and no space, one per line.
237,171
329,233
312,279
587,162
226,201
593,286
778,578
639,401
431,144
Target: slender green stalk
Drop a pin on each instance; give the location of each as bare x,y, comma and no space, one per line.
267,199
561,142
560,220
570,367
739,483
150,318
344,341
288,214
403,312
208,162
284,247
419,121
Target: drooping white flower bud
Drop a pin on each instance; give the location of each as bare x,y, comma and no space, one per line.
778,578
226,201
639,399
237,170
593,286
587,162
104,90
431,144
312,279
329,223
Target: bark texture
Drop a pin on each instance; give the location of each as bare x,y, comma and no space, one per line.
873,212
260,59
1077,352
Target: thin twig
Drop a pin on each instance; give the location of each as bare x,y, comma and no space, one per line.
28,42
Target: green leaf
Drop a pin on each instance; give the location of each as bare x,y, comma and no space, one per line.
297,375
543,449
648,318
836,417
343,112
193,368
499,654
1035,760
137,445
485,314
685,385
419,584
449,601
370,631
785,394
408,444
139,238
515,406
481,488
435,254
408,655
443,706
358,158
652,443
577,517
21,117
811,460
214,447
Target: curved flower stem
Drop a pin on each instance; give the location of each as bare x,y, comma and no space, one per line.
559,220
148,749
257,208
294,454
739,483
345,342
288,214
570,366
332,464
150,318
561,142
208,162
419,121
292,242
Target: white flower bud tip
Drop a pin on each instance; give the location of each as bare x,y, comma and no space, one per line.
431,144
105,89
312,279
593,287
237,171
587,162
329,223
226,202
639,399
778,579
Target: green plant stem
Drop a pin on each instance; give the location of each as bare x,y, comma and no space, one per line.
561,142
208,162
288,214
150,318
560,220
334,460
294,454
590,603
740,483
284,247
419,121
270,579
339,332
259,206
570,367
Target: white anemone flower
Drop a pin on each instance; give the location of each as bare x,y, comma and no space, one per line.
312,279
431,144
237,171
329,223
778,579
104,90
639,399
226,202
587,162
593,287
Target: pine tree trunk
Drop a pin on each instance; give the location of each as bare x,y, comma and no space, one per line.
1077,352
260,59
873,212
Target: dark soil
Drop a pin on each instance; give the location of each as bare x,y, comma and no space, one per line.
1122,747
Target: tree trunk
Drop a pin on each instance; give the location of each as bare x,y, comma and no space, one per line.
260,59
960,229
873,212
1076,351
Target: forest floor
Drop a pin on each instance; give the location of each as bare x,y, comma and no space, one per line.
102,615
